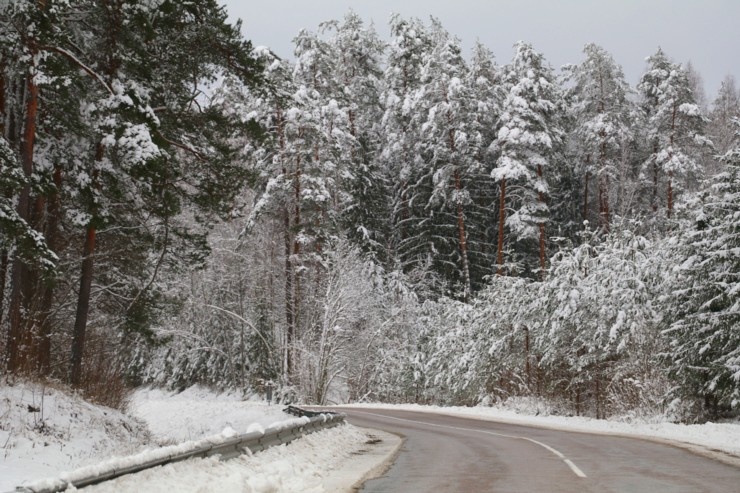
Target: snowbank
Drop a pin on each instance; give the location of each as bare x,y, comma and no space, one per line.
44,430
199,412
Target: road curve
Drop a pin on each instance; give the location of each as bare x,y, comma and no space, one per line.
454,454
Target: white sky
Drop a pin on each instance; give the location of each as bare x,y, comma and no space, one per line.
706,32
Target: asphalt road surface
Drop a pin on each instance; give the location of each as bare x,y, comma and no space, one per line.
452,454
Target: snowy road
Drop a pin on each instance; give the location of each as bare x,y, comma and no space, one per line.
446,453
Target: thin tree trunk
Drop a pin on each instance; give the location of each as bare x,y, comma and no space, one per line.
289,271
501,220
604,207
3,275
527,366
52,239
460,218
83,306
670,173
655,178
463,239
296,295
290,324
83,298
541,198
585,193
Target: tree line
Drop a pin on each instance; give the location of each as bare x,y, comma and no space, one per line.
369,220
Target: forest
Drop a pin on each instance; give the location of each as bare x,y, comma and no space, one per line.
382,219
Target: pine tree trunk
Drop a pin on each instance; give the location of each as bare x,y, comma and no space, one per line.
22,277
655,179
83,297
463,239
541,198
83,306
3,276
501,221
290,324
460,217
52,239
585,196
527,366
296,295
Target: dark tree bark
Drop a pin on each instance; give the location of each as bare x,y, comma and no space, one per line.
52,240
83,306
22,277
501,221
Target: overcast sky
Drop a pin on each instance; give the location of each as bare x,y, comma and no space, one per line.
706,32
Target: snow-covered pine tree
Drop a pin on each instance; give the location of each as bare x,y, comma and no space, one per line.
725,108
527,143
675,126
410,41
366,215
449,146
704,305
600,106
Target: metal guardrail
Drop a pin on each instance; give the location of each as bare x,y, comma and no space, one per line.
227,448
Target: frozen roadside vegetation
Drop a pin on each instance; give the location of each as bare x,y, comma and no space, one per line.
723,437
75,439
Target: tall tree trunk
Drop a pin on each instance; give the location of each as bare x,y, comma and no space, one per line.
52,240
541,199
3,251
501,221
289,271
655,178
527,366
83,297
3,275
585,192
296,294
604,207
21,278
463,239
670,193
83,306
670,173
290,324
460,216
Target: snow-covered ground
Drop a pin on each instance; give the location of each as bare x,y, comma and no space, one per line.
44,431
47,434
723,437
198,412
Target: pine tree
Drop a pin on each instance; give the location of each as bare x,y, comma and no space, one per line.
705,304
675,125
725,107
601,110
528,139
409,45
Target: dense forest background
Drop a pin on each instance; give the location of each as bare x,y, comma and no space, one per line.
376,221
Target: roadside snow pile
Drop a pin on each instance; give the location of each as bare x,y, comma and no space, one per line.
198,412
302,466
723,437
44,430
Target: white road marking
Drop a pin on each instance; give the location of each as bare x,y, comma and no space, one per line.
558,454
